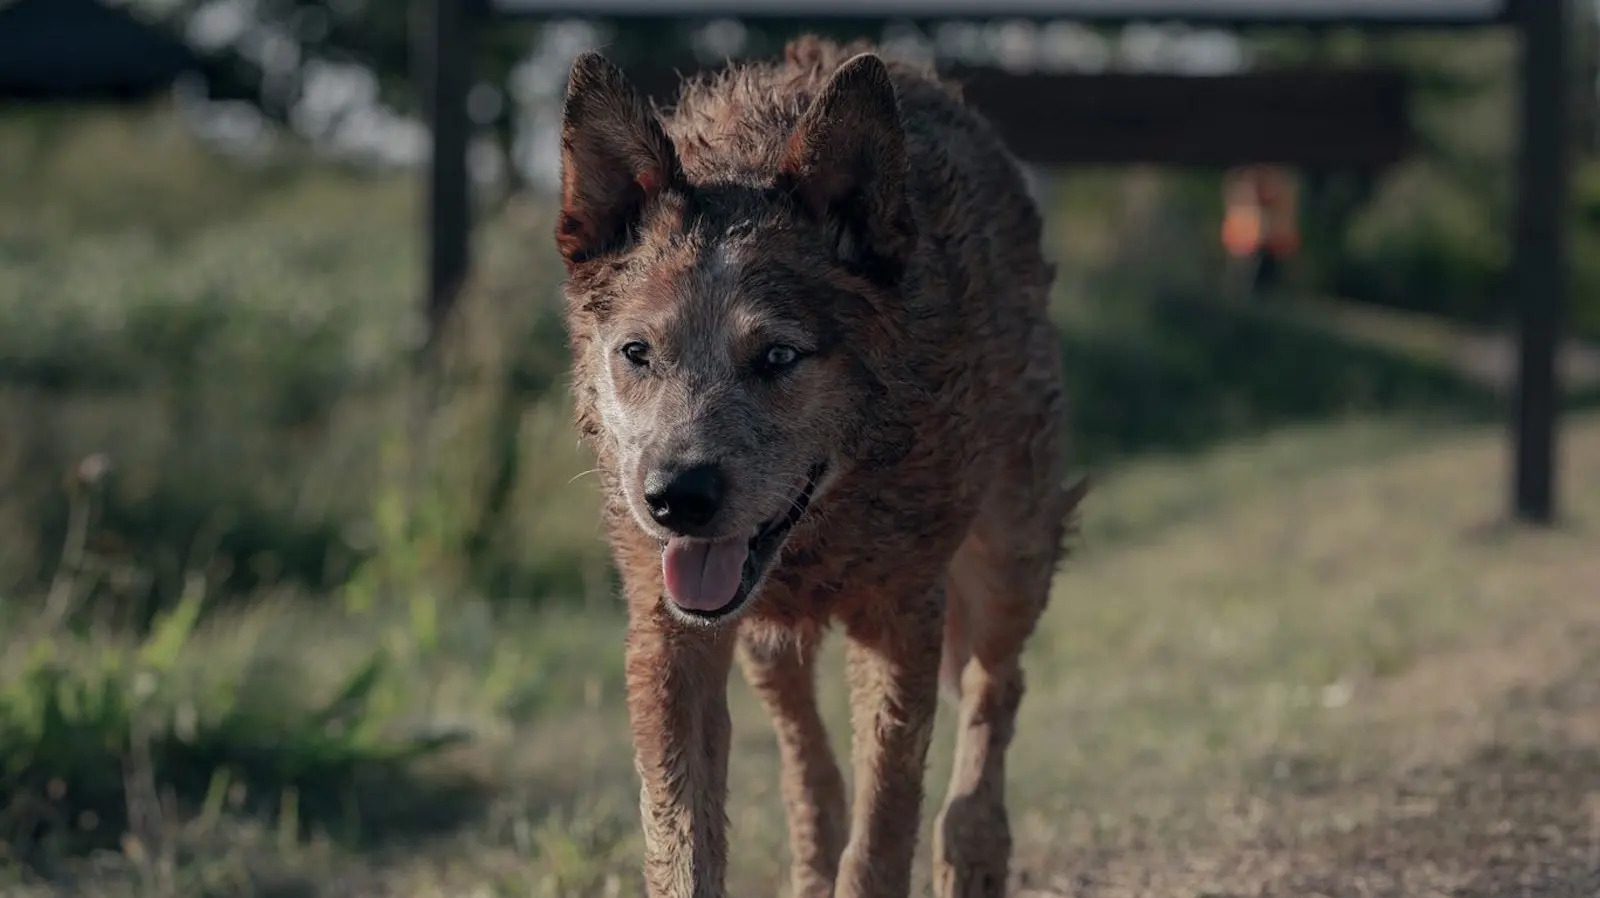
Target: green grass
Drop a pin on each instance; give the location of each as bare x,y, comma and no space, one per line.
236,343
102,737
1277,618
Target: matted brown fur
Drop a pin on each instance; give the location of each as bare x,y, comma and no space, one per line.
855,212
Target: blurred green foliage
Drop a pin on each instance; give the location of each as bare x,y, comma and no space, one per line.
236,345
102,737
1434,233
236,340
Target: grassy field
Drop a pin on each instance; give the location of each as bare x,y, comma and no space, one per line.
1312,663
278,619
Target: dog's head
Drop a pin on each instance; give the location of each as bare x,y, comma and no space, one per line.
724,329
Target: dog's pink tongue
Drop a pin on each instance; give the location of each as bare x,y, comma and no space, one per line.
703,576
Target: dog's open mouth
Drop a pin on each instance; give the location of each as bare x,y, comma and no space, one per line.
710,579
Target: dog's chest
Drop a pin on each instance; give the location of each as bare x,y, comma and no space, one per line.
863,549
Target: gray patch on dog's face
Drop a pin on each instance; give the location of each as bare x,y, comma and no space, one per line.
709,314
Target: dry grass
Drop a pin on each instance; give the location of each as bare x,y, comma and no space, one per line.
1346,685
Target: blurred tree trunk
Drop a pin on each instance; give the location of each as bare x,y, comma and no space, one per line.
1588,53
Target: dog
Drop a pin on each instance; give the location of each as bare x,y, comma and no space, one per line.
807,311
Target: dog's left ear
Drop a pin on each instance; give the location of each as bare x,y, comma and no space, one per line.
846,161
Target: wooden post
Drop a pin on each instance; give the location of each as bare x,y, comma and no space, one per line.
1540,277
445,54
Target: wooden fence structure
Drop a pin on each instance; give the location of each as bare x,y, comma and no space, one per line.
1308,119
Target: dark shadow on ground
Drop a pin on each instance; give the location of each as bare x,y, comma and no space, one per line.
1182,375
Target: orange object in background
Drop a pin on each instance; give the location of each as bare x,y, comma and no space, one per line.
1241,230
1262,214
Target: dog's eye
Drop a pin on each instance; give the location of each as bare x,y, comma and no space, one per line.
636,352
776,359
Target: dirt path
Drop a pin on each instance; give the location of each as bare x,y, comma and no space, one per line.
1500,797
1467,765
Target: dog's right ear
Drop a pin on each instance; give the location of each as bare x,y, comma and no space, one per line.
615,158
846,162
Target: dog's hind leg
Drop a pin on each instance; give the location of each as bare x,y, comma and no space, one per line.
783,675
998,592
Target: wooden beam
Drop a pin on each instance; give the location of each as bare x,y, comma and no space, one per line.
1540,275
1310,119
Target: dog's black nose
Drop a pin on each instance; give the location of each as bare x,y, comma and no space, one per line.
684,499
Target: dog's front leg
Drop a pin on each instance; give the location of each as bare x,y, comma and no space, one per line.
677,678
894,675
784,677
